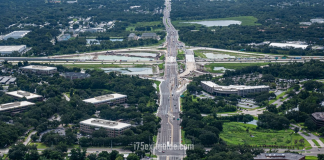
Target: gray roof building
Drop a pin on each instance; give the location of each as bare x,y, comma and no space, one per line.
149,35
16,34
74,75
279,156
318,118
132,36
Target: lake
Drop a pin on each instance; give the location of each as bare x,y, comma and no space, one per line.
254,122
131,71
222,69
216,23
218,56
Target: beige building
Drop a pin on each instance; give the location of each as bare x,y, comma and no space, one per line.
240,90
21,94
15,107
111,99
113,128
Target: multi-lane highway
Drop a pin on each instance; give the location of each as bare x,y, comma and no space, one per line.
170,133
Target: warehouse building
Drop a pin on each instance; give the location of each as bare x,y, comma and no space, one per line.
288,45
10,49
107,99
149,36
113,128
15,35
74,75
21,94
240,90
279,156
39,69
318,118
15,107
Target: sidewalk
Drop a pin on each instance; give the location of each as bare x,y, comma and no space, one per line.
310,138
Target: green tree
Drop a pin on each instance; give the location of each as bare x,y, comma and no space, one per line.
17,152
77,154
132,156
296,129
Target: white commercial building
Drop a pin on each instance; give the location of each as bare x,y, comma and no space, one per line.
113,128
16,34
22,94
11,49
39,69
240,90
109,98
288,45
15,107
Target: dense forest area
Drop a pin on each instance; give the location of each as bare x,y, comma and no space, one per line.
140,93
293,70
277,21
39,12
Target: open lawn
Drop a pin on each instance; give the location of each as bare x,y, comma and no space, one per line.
311,158
184,139
210,67
155,25
157,86
39,145
236,133
199,54
316,143
180,55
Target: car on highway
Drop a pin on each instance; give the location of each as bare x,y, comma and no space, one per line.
163,152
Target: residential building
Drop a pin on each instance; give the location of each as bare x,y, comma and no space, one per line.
318,118
240,90
279,156
10,49
74,75
108,99
39,69
94,30
16,35
15,107
113,128
149,36
132,36
21,94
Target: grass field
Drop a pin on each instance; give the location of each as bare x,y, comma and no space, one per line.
210,67
161,66
246,21
311,158
146,24
316,143
235,133
95,66
199,54
184,139
157,86
39,145
322,139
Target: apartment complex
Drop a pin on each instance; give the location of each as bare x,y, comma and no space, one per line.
39,69
107,99
21,94
15,107
113,128
240,90
318,118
